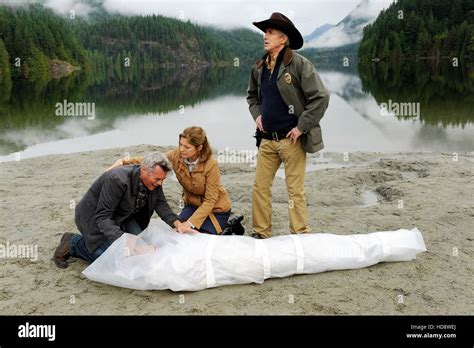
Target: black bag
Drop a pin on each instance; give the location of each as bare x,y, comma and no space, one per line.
234,227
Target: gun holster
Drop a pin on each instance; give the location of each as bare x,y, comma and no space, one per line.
258,137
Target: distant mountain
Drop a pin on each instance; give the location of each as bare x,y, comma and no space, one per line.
349,30
318,32
333,58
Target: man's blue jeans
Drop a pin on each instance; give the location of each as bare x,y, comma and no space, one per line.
78,247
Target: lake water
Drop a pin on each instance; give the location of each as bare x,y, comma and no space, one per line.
361,116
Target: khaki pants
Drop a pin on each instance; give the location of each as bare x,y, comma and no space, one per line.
270,155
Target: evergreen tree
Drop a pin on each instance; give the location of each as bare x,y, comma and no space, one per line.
99,44
5,78
430,28
397,47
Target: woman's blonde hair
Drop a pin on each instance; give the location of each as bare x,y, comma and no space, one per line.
197,136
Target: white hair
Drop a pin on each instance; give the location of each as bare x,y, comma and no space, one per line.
287,42
153,159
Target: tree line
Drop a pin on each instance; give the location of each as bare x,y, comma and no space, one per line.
417,29
29,38
112,46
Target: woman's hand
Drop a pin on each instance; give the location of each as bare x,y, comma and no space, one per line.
185,227
118,163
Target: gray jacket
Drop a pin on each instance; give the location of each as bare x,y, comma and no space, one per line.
110,201
300,87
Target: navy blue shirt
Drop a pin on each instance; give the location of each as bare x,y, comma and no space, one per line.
275,113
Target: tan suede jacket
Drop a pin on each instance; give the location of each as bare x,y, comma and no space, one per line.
202,187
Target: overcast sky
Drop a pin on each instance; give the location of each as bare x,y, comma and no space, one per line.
306,14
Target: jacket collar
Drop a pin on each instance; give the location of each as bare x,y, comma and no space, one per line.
199,167
135,179
287,58
182,167
198,164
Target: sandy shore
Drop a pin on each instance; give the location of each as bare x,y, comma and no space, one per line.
435,190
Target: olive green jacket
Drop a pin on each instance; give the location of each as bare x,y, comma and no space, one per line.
301,89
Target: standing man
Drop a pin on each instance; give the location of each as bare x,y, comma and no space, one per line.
120,200
287,100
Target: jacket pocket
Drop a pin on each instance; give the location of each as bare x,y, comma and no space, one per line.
316,135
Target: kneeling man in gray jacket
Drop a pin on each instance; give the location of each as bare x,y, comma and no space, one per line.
120,200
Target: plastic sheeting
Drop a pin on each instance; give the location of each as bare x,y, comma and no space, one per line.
160,258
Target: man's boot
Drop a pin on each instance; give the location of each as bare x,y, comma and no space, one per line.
61,254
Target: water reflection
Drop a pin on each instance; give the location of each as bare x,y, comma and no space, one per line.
29,117
445,92
154,108
434,129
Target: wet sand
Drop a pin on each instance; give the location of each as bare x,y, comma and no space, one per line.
369,192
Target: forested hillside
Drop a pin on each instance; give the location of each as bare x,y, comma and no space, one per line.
421,29
34,40
30,38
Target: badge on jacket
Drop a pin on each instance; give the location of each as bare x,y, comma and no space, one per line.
288,78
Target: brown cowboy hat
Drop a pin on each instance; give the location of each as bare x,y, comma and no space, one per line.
283,23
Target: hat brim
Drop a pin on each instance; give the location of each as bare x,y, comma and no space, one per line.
296,39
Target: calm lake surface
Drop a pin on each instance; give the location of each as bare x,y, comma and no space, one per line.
373,108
